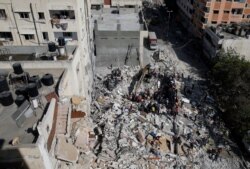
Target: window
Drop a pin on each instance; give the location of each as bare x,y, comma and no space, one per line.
45,36
41,15
24,15
216,12
29,36
67,34
2,14
6,36
214,22
62,14
237,11
227,12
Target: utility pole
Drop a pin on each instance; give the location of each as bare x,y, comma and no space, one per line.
169,15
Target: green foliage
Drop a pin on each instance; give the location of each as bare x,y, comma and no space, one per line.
232,74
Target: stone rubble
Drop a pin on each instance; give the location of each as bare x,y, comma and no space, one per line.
152,118
169,122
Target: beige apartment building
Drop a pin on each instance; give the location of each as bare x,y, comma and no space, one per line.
201,13
36,22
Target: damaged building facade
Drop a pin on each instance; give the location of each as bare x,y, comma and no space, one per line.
38,125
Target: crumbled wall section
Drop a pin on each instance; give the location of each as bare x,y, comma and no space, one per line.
53,130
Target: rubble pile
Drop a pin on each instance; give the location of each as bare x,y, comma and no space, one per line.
156,118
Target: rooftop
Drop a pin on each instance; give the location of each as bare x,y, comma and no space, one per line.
19,123
108,18
33,53
232,31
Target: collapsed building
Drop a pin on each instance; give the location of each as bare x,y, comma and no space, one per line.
227,37
155,117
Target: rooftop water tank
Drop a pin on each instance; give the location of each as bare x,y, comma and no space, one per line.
22,90
47,79
32,90
17,67
3,84
19,100
6,98
35,79
52,47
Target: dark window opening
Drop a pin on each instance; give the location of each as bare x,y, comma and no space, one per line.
29,37
24,15
6,36
41,15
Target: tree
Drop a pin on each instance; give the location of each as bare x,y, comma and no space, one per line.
231,73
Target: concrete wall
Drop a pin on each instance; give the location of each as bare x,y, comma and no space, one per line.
112,47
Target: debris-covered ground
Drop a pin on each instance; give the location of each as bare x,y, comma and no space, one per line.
159,117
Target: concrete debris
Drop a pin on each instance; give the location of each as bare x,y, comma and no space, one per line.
154,118
66,151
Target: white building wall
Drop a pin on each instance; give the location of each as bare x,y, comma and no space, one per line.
126,2
15,24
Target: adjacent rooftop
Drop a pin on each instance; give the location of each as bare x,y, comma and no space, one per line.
18,122
108,18
34,53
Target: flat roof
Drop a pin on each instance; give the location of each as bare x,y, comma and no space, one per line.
8,125
32,53
107,19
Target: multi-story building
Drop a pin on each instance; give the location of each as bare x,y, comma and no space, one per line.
200,13
36,22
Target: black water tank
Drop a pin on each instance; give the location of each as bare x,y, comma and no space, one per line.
6,98
35,79
3,84
22,90
17,68
47,80
61,41
52,47
19,100
32,90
